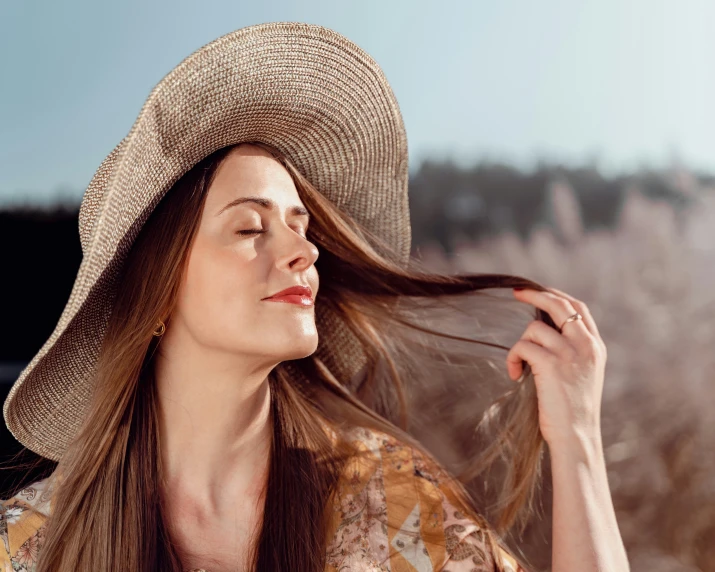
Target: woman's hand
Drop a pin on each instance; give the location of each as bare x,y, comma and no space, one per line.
568,367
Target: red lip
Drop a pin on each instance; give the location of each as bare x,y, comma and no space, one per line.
301,295
297,290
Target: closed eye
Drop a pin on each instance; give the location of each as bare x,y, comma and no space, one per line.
254,231
251,231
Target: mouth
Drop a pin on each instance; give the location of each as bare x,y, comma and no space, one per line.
299,295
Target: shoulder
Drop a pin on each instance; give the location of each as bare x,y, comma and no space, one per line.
394,508
21,526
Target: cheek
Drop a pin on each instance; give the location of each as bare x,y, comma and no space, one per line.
219,290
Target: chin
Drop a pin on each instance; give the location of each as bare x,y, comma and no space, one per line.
309,347
298,347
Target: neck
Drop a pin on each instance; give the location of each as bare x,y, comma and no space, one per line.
215,424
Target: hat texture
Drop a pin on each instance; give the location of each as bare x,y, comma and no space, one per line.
302,88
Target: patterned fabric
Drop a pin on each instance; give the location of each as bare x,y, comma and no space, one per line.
21,529
391,512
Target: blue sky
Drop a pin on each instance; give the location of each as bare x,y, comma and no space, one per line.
617,82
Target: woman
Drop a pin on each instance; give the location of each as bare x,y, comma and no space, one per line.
200,417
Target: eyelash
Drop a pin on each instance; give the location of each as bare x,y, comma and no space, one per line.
252,231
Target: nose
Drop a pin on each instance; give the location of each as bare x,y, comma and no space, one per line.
296,252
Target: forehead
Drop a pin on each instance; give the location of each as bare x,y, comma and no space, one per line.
249,170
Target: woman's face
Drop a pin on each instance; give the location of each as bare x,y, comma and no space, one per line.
221,301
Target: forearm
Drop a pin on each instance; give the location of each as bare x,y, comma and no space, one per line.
585,531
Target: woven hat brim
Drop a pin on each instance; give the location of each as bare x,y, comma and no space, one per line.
303,88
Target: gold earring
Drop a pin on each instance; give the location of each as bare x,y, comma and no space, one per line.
160,328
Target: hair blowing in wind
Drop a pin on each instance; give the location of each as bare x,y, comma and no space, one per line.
108,508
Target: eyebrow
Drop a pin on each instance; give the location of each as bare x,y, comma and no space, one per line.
268,204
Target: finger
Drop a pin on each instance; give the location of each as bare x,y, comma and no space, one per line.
558,307
582,309
547,337
527,351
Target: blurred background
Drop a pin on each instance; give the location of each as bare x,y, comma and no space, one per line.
569,142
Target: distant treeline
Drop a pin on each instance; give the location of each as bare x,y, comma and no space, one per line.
447,201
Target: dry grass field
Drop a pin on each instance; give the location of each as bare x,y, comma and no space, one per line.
650,284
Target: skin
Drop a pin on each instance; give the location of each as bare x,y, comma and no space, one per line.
221,342
569,369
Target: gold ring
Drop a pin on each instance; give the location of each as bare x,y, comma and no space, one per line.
573,318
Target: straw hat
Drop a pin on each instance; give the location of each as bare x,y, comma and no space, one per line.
303,88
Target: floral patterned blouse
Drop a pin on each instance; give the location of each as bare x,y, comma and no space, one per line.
391,512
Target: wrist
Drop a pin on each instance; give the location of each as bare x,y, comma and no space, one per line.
586,447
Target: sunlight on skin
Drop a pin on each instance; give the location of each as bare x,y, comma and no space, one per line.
221,342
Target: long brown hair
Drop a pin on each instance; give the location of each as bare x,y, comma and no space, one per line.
107,510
